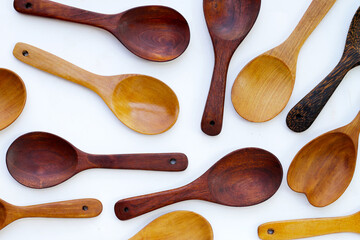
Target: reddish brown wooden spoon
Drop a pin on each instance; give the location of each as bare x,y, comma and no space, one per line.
155,33
41,160
242,178
229,22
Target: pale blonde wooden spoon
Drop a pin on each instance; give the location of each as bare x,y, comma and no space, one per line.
142,103
179,225
263,88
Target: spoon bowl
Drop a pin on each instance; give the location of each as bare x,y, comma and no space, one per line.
12,97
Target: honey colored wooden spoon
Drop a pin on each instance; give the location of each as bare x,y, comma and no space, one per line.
263,88
229,22
304,228
81,208
41,160
155,33
304,113
178,225
142,103
324,167
12,97
242,178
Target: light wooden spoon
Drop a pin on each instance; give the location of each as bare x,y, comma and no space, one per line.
323,168
142,103
304,228
12,97
263,88
81,208
178,225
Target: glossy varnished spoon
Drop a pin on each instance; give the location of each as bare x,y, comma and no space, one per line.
229,22
41,160
178,225
242,178
263,88
324,167
304,113
155,33
142,103
12,97
81,208
304,228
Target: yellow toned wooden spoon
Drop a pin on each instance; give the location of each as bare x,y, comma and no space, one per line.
263,88
12,97
179,225
142,103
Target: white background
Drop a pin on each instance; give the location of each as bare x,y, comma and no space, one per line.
80,116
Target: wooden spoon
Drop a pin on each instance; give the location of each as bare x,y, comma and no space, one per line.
263,88
324,167
229,22
12,97
41,160
142,103
81,208
304,113
242,178
155,33
304,228
178,225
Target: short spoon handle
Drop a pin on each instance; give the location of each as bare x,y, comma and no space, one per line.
81,208
304,228
155,161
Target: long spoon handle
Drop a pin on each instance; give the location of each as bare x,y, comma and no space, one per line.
304,113
304,228
49,9
156,161
81,208
54,65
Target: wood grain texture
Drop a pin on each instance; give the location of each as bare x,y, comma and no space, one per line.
242,178
41,160
304,113
142,103
155,33
178,225
81,208
228,22
304,228
263,88
324,167
12,97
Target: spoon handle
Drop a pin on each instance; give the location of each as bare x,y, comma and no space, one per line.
52,64
50,9
304,228
155,162
81,208
304,113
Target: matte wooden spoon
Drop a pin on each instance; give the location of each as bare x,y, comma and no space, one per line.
263,88
229,22
178,225
41,160
304,228
12,97
324,167
155,33
304,113
142,103
81,208
242,178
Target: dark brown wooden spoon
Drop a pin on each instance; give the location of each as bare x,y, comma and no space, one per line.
242,178
228,22
41,160
155,33
304,113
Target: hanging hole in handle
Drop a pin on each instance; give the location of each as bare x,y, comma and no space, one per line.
85,208
212,123
25,53
126,209
298,116
173,161
270,231
28,5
